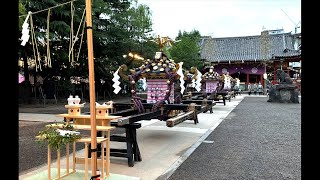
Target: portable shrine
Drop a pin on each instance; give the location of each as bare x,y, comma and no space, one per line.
192,79
165,86
193,83
211,80
214,86
161,74
217,87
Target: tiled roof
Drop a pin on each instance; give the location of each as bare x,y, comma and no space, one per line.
288,53
248,48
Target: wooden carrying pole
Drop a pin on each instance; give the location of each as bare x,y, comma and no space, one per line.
91,90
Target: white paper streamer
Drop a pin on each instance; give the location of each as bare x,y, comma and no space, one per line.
193,83
180,73
227,82
198,81
144,83
117,89
63,132
238,82
116,81
25,31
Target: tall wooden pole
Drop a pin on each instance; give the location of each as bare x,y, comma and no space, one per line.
91,89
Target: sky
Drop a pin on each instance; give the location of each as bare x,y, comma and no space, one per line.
223,18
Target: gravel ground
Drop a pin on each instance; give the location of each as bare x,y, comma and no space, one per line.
257,140
33,154
51,108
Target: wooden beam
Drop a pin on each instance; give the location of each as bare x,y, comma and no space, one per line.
191,115
138,117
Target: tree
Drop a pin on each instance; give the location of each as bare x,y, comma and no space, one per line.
187,49
265,48
121,31
118,27
60,20
140,25
22,10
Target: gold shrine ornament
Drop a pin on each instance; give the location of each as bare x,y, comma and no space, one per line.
155,67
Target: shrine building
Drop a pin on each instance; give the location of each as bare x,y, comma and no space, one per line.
254,58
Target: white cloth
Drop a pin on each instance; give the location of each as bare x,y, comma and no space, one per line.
116,81
198,81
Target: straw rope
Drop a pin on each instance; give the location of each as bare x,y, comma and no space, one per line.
71,34
48,40
34,45
73,42
48,8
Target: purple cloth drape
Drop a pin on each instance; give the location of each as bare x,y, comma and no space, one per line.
246,69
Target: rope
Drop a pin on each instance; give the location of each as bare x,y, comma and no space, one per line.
72,41
34,44
170,76
71,34
136,100
81,40
48,40
48,8
203,86
71,49
39,61
177,99
32,40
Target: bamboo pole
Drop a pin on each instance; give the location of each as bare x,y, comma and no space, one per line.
91,89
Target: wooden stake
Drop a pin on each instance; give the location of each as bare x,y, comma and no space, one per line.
67,155
58,161
49,162
74,157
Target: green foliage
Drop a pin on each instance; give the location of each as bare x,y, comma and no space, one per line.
22,11
65,88
194,35
54,138
119,27
149,49
187,49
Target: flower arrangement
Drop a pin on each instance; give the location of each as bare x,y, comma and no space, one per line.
57,137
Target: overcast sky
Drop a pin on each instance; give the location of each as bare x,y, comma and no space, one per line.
223,18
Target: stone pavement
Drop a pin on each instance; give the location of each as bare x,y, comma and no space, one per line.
257,140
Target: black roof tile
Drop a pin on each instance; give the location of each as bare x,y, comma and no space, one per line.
248,48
